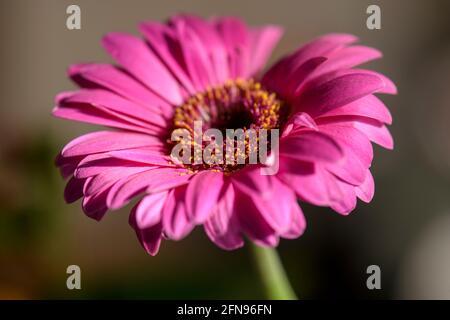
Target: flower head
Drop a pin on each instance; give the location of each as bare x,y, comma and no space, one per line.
193,70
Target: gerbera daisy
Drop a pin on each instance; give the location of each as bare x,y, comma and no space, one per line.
192,69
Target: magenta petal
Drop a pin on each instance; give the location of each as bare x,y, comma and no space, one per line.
130,186
368,106
298,121
276,208
252,222
366,190
263,40
94,206
376,132
344,197
219,220
176,223
102,141
250,181
149,237
298,223
108,177
350,139
346,58
116,80
209,42
338,92
195,56
92,166
148,211
277,75
164,42
298,76
235,35
202,194
147,156
172,179
307,180
105,99
358,152
102,116
74,189
222,226
230,240
137,58
312,146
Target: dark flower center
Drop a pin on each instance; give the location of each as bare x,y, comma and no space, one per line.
238,104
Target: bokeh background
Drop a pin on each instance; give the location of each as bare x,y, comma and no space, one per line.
405,230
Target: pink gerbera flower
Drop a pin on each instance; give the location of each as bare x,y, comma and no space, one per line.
194,69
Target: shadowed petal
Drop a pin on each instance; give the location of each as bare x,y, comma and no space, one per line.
176,223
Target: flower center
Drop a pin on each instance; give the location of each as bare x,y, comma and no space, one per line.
237,104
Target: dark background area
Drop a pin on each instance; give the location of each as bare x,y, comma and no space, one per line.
405,230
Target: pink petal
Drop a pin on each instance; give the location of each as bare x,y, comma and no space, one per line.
103,141
219,220
148,210
137,58
176,223
277,75
299,121
101,116
309,181
276,208
349,139
312,146
366,190
376,132
141,155
368,106
298,76
106,99
347,58
109,177
92,166
195,56
344,197
358,153
337,92
149,237
250,181
173,179
163,40
230,240
263,41
131,185
252,222
116,80
212,45
298,224
202,194
222,226
94,206
235,35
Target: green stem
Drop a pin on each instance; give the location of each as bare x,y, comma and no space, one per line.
274,278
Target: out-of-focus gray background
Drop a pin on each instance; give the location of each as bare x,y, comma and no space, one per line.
405,230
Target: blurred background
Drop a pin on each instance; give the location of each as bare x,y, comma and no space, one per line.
405,230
